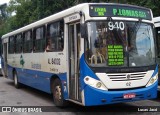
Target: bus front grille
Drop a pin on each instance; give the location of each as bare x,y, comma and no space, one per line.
127,76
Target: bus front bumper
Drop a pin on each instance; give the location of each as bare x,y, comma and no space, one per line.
100,97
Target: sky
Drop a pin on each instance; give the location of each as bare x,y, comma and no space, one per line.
4,1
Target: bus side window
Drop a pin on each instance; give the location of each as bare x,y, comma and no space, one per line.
27,42
55,36
18,43
61,36
11,48
39,39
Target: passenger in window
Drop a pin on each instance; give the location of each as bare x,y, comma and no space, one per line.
49,45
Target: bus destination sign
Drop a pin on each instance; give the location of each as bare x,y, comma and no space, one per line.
119,11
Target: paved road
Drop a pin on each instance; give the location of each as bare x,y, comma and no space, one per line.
26,96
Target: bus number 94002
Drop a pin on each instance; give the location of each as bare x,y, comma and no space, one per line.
55,61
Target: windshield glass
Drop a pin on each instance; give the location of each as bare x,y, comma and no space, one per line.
119,43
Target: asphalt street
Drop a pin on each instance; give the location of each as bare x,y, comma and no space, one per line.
28,97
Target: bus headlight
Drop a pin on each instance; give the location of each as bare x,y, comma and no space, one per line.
152,80
94,83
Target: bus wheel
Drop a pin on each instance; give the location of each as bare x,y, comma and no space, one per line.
16,83
58,94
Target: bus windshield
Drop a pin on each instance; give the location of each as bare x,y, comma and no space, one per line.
119,44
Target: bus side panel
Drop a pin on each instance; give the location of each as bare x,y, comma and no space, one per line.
10,74
38,79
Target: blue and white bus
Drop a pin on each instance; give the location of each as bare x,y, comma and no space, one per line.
89,54
157,27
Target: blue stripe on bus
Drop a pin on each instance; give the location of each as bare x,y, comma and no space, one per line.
85,71
155,71
37,79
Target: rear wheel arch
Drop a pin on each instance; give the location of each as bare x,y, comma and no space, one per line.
53,78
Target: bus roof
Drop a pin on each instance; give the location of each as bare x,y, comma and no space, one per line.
62,14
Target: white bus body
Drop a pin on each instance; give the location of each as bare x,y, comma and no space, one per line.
69,72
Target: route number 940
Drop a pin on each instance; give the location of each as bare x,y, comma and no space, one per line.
116,25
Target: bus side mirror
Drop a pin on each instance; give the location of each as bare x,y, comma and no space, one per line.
83,29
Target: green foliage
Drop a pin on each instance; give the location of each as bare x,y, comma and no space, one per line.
28,11
154,5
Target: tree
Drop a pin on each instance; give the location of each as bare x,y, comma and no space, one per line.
3,17
154,5
3,11
29,11
33,10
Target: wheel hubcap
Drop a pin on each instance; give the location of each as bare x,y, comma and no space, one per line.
15,79
57,93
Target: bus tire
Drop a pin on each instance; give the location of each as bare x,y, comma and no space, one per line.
15,77
58,97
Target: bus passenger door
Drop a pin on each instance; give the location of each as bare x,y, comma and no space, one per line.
74,56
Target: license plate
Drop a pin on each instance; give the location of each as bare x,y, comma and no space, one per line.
128,96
